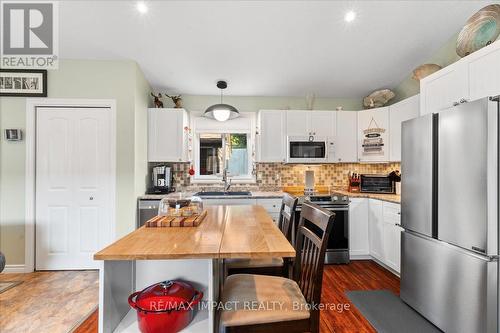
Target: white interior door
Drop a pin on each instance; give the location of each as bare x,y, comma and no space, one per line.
74,186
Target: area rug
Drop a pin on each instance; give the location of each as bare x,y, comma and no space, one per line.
6,285
388,313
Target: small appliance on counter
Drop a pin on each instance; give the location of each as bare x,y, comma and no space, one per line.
165,307
376,183
161,180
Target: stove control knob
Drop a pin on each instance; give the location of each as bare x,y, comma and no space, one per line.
335,198
345,198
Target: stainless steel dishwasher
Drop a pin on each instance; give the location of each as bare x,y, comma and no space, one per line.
146,209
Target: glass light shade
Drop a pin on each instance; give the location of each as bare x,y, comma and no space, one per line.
221,112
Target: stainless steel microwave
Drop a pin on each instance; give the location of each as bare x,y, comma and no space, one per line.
309,149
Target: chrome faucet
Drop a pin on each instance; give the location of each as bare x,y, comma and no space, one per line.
227,182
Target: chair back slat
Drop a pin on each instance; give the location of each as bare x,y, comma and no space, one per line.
287,215
310,250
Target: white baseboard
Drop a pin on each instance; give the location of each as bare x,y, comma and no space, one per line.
14,269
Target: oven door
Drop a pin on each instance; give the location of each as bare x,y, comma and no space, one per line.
337,251
306,150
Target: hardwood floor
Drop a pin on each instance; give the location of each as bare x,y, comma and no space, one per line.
48,301
337,279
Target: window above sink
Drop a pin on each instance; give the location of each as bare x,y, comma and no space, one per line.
227,145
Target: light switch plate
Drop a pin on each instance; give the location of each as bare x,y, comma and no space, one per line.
13,134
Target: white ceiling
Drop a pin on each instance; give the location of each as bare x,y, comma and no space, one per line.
264,48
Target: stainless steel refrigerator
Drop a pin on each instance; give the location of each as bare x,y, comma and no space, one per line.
450,210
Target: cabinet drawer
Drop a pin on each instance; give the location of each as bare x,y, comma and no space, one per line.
271,205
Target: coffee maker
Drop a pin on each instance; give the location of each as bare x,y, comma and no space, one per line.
161,180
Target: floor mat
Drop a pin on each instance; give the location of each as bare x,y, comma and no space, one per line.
388,313
6,285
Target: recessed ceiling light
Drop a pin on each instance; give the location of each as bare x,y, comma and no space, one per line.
142,7
350,16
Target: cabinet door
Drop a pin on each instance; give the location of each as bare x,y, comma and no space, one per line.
166,135
297,123
373,147
404,110
321,123
442,89
484,72
375,229
346,144
272,136
358,227
392,245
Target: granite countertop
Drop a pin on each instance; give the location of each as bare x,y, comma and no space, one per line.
394,198
254,195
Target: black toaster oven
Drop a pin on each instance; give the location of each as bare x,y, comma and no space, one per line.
375,183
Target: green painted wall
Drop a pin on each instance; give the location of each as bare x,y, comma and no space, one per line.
255,103
119,80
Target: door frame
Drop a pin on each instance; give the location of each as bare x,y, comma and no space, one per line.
30,165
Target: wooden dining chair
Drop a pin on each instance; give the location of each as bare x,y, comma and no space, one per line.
295,300
269,266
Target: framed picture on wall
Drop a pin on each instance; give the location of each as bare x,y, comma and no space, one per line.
23,82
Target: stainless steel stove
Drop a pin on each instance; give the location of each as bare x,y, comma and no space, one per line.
338,245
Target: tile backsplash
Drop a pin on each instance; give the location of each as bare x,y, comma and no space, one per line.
273,176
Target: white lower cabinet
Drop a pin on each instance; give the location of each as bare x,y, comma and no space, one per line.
358,228
229,202
374,231
375,228
272,205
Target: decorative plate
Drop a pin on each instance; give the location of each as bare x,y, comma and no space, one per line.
481,29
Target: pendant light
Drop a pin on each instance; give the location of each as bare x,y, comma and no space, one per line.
221,112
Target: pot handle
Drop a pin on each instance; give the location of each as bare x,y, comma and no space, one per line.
131,302
196,299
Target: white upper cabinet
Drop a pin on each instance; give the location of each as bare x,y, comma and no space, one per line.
271,136
444,89
346,142
484,72
373,135
322,123
297,123
399,112
167,139
305,123
472,77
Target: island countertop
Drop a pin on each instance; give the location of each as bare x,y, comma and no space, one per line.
227,232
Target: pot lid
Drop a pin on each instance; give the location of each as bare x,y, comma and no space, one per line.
165,296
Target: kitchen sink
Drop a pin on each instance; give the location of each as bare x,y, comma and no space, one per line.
220,193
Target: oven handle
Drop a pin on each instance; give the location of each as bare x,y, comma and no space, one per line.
333,208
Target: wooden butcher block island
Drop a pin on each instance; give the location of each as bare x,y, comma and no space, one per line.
195,254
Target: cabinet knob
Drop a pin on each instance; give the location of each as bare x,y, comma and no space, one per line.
340,159
455,103
463,100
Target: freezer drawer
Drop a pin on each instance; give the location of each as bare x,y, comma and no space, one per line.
417,174
467,176
453,288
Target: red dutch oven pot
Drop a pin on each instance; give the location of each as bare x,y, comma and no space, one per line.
165,307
